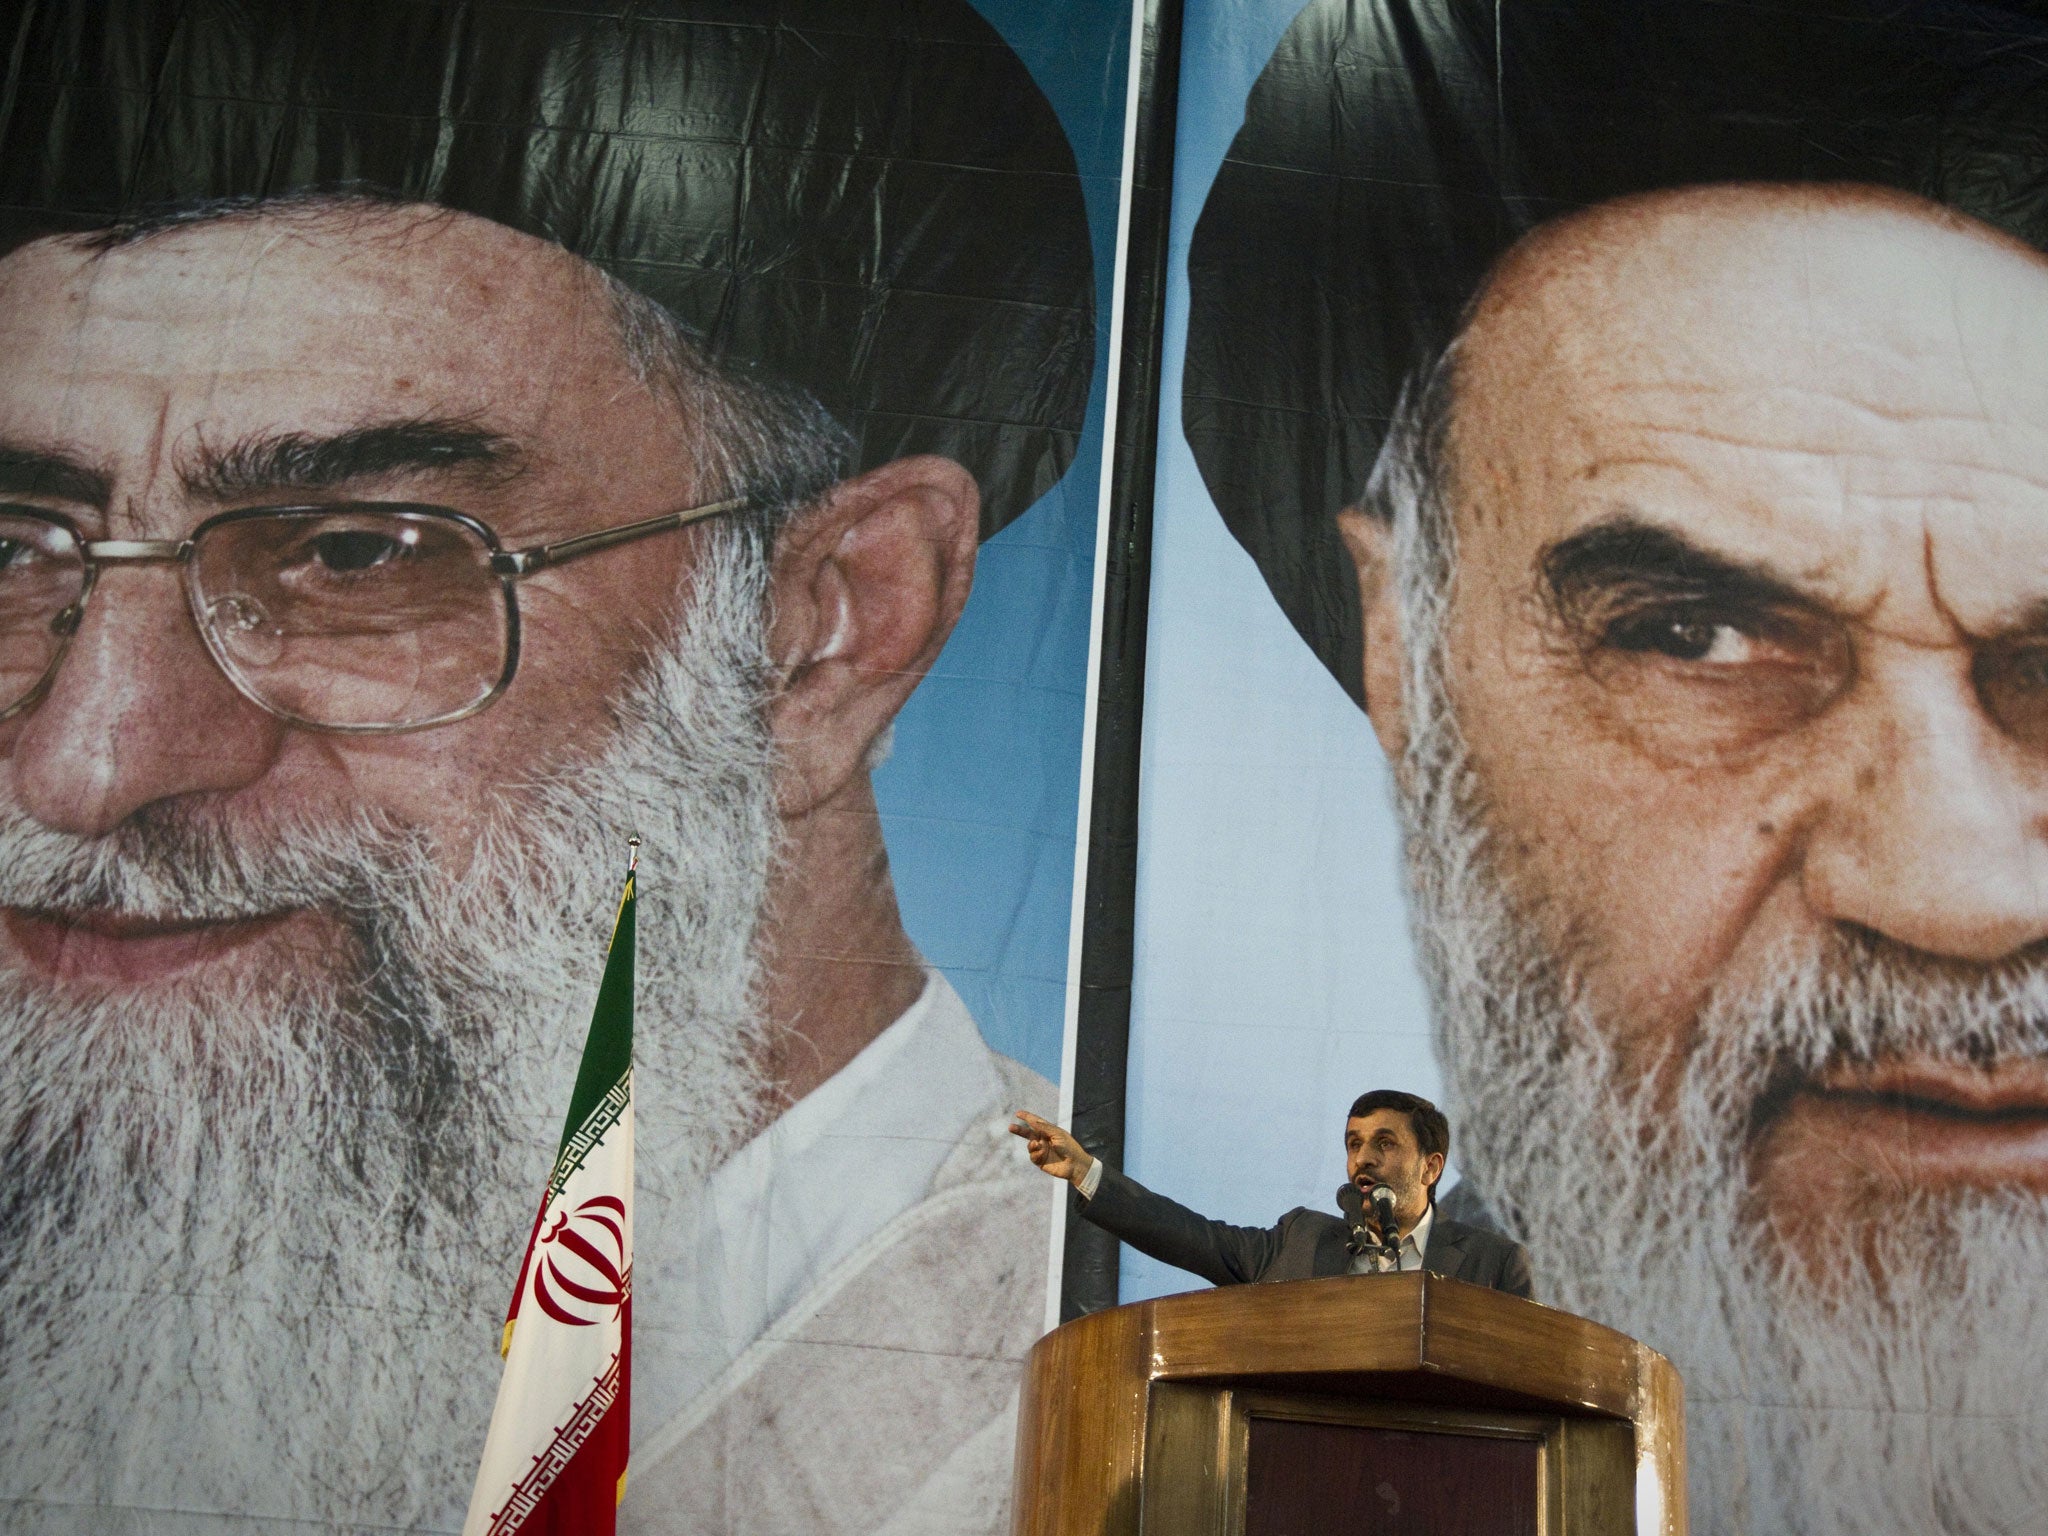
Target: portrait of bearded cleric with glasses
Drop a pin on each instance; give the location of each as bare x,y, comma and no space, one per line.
383,536
1659,466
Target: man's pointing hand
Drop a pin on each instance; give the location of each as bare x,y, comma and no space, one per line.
1052,1148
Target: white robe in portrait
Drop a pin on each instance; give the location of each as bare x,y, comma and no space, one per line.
857,1289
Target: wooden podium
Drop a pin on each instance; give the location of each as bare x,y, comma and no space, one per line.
1374,1405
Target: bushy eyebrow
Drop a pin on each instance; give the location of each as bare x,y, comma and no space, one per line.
43,472
299,461
1624,556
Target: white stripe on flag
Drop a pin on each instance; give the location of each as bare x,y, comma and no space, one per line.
561,1373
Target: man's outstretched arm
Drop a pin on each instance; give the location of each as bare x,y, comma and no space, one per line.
1168,1231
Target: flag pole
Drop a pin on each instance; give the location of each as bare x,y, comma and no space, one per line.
633,862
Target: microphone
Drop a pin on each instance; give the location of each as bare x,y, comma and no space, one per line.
1382,1199
1351,1200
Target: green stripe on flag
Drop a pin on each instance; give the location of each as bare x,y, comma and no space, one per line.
608,1052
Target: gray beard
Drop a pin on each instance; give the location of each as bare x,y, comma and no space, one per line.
256,1245
1821,1397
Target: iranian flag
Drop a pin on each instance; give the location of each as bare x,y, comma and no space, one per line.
555,1459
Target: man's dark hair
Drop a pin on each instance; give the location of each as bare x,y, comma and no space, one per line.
1432,1130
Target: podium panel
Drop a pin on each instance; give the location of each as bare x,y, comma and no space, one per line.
1390,1405
1306,1476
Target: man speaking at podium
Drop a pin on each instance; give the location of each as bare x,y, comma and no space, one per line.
1394,1149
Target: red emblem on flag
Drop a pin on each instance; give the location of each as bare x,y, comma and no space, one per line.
580,1273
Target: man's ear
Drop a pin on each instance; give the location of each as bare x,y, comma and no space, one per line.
865,589
1371,545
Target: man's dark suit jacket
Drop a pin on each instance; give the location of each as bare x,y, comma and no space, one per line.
1302,1245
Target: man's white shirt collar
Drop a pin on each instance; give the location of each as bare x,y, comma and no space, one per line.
852,1155
1419,1238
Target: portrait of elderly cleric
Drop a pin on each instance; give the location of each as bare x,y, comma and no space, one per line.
437,440
1645,426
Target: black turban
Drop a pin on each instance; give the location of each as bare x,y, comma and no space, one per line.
868,199
1393,149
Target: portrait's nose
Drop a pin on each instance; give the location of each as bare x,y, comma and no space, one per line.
1937,833
137,713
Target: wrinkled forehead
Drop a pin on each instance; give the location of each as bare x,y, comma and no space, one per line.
434,298
1826,377
1888,303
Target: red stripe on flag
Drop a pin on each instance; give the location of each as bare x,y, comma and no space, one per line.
583,1500
579,1497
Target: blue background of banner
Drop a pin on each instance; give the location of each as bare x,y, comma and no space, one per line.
978,800
1274,977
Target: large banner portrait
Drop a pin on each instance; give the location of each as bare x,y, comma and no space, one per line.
438,440
1597,680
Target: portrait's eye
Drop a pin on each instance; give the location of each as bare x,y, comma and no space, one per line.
354,549
23,549
2012,682
1684,637
1700,680
33,555
348,572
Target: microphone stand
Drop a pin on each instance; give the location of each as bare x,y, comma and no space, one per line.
1390,1234
1358,1224
1361,1222
1390,1246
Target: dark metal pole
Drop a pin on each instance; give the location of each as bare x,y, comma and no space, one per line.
1102,1049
